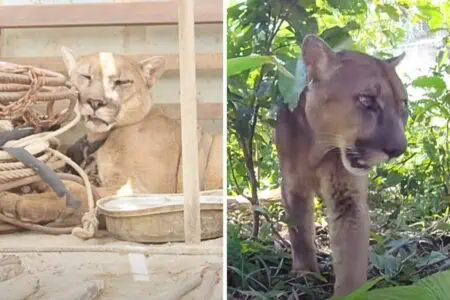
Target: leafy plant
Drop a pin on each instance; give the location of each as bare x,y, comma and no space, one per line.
434,287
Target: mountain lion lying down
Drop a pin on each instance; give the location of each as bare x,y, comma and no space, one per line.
350,117
142,150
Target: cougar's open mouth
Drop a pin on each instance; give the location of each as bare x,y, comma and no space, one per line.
359,160
356,158
356,161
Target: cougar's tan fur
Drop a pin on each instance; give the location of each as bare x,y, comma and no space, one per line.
142,153
349,118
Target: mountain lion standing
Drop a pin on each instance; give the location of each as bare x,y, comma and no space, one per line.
350,117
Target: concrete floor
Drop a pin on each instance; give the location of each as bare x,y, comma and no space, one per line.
58,275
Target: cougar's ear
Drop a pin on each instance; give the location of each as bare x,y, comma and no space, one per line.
153,68
319,58
69,58
396,60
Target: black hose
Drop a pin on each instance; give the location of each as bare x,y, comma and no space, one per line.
46,173
15,134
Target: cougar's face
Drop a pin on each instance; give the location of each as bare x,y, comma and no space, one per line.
360,108
113,89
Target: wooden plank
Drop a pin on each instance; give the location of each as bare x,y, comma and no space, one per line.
1,41
104,14
206,61
206,111
188,96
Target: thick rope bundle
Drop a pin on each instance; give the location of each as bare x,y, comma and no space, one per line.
21,88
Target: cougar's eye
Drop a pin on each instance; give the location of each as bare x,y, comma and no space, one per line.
122,82
367,101
86,76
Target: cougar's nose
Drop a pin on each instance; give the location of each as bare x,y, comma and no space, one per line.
395,142
396,147
96,103
394,152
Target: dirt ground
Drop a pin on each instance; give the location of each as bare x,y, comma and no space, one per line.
65,275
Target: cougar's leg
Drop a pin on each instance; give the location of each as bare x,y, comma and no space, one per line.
349,232
300,213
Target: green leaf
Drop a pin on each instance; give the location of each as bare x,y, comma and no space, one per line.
437,285
301,21
240,64
390,10
397,293
435,82
290,87
443,226
338,37
429,148
433,16
282,69
434,287
393,179
434,257
387,264
356,295
349,6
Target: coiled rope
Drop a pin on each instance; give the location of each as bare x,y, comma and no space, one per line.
21,88
43,146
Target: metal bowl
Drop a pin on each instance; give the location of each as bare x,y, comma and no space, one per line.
158,218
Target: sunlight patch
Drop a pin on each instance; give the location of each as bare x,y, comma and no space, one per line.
126,189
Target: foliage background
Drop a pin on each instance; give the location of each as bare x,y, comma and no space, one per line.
409,198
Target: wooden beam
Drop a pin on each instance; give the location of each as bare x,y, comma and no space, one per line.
206,61
105,14
1,41
206,111
188,96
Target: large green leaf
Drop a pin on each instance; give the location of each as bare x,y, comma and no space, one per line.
356,295
437,285
397,293
427,82
434,287
240,64
291,87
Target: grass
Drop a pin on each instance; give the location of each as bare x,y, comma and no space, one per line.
260,269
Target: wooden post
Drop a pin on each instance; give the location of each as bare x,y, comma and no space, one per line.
1,41
188,105
1,35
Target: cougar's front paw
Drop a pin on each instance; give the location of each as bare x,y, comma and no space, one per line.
300,268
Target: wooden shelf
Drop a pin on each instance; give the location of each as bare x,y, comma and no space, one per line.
206,61
105,14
